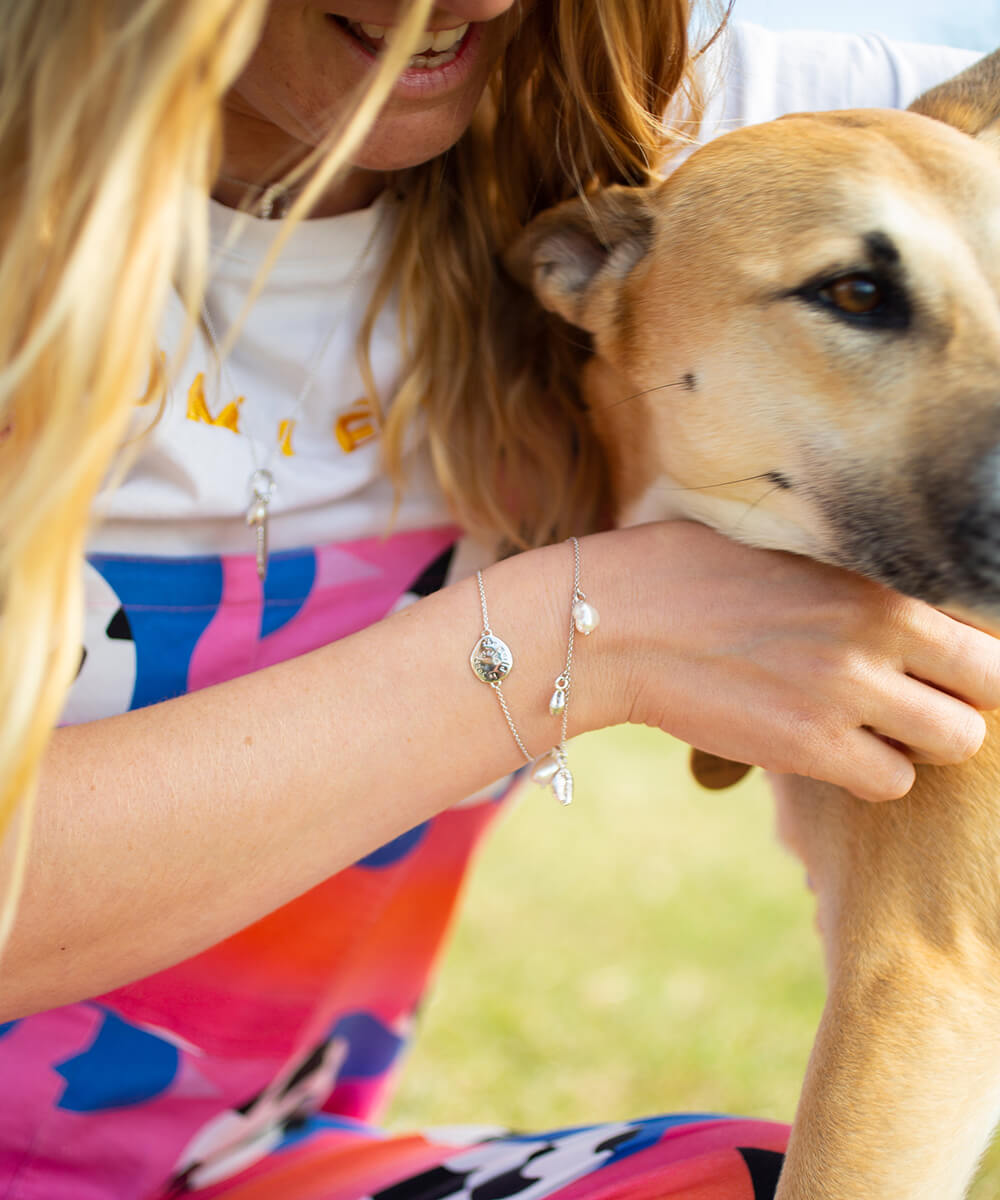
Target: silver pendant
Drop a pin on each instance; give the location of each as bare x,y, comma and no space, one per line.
562,785
560,697
491,659
262,486
552,770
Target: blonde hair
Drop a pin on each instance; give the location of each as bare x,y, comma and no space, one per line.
109,142
578,102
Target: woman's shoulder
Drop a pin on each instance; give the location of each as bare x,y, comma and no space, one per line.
753,74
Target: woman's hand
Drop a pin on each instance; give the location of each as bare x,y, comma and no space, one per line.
774,659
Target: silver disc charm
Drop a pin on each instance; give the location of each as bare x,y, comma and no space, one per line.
491,659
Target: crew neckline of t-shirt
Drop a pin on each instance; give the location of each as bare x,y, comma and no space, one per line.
240,237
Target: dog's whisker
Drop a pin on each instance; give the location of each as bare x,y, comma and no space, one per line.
707,487
751,507
680,383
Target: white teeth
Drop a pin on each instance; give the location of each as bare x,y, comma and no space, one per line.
425,42
437,42
444,39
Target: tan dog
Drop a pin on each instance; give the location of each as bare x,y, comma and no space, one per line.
811,307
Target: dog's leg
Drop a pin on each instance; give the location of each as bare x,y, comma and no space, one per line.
903,1086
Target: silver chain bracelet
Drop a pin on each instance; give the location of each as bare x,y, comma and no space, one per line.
492,662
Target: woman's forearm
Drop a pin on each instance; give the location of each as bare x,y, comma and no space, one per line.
160,832
165,830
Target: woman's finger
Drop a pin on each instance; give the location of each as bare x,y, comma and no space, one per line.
932,726
953,657
866,766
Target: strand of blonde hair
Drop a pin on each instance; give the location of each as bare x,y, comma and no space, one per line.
109,142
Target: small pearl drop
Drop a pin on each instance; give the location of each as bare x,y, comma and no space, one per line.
585,617
546,768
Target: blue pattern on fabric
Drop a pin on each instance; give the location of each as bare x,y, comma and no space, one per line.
290,577
372,1047
124,1065
396,850
655,1127
188,591
651,1130
7,1026
320,1123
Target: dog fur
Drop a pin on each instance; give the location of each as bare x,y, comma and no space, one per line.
728,389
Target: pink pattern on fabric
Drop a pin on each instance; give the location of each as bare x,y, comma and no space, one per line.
230,641
355,584
368,577
681,1145
151,1131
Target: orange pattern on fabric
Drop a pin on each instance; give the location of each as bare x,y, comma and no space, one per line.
356,426
197,407
285,430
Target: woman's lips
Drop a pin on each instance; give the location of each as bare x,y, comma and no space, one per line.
427,72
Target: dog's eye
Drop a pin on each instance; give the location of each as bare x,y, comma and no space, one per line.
863,299
855,294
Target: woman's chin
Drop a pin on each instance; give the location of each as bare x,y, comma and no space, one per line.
398,141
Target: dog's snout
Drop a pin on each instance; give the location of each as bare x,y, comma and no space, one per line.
977,532
930,527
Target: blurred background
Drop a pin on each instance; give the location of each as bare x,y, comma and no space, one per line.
974,24
650,948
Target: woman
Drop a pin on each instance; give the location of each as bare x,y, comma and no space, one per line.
250,834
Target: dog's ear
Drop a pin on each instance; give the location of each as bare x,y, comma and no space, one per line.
571,255
716,773
969,102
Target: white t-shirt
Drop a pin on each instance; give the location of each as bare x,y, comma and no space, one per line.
187,493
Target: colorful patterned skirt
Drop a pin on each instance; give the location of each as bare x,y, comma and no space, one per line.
257,1068
689,1157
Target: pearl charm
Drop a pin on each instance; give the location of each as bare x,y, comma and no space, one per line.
558,702
551,771
585,617
546,768
257,513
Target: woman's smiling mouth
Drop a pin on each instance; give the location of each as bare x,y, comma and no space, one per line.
436,48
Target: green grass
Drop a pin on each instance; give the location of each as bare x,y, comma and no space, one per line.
649,949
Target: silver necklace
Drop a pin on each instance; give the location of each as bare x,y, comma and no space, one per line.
261,483
275,199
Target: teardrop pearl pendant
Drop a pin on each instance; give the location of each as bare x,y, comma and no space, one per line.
586,618
545,768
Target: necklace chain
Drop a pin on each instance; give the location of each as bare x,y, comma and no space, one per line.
275,199
261,483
